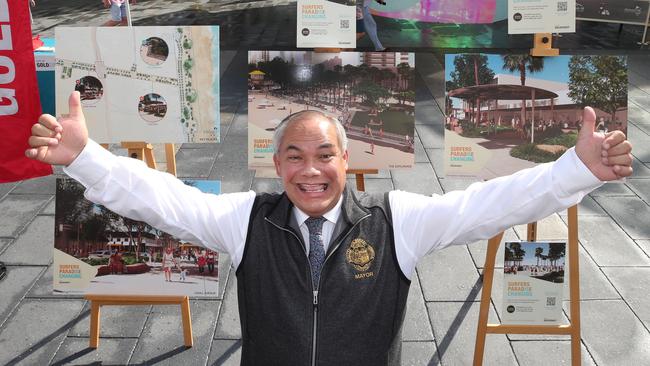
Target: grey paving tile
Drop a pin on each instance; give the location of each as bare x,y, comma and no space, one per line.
34,246
234,177
640,187
548,228
268,185
454,326
478,249
225,352
234,149
14,286
450,184
35,331
194,163
239,125
373,185
420,179
613,335
419,353
612,189
228,326
6,188
436,157
162,339
50,209
75,351
432,136
42,185
16,211
593,282
416,325
420,152
449,275
4,243
213,148
640,170
645,245
607,244
115,321
43,286
630,212
640,142
544,353
634,286
587,207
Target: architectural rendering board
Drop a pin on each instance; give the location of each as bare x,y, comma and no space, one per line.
372,94
443,11
153,84
619,11
97,251
488,132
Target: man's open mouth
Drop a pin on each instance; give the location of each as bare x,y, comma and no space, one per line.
312,188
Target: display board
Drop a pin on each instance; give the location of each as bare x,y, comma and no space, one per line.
533,283
534,16
505,113
372,94
97,251
442,11
618,11
153,84
322,23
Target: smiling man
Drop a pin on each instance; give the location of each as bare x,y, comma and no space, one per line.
323,273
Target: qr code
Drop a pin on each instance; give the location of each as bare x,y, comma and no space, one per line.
345,23
562,6
550,301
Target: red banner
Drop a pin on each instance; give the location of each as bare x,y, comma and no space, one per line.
20,104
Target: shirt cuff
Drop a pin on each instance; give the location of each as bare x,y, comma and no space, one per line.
91,165
572,175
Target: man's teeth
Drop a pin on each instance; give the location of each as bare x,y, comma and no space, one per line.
313,187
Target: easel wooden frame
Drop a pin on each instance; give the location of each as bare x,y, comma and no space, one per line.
572,329
543,45
142,151
358,174
97,301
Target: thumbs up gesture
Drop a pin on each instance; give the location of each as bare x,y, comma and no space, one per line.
606,155
59,141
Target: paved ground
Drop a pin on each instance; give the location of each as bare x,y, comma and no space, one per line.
37,328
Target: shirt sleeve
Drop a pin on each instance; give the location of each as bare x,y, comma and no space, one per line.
423,224
128,187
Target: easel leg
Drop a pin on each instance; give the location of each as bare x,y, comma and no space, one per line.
574,286
94,324
187,322
484,310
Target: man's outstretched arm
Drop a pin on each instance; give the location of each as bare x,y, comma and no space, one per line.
128,187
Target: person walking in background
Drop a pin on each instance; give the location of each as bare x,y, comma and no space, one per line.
370,25
118,12
210,261
168,263
201,262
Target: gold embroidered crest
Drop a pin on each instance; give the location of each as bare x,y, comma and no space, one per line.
360,254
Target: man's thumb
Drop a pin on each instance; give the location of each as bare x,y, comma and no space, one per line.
588,121
74,105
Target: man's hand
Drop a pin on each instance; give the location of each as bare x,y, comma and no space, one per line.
606,155
59,141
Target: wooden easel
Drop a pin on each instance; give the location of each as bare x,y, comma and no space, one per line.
97,301
572,329
358,174
142,151
543,45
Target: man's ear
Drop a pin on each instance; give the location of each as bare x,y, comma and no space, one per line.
345,157
276,162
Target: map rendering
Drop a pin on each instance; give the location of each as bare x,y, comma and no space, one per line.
153,84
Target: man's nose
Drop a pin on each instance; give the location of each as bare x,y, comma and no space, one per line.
310,169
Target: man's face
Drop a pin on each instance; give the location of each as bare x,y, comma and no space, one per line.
312,165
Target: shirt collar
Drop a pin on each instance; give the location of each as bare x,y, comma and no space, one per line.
331,215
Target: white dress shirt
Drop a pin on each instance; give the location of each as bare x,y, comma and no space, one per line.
421,224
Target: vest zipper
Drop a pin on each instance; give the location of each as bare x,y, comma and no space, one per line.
315,292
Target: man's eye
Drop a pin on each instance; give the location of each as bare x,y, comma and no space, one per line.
293,158
326,156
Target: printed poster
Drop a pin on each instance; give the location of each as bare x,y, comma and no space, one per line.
546,16
533,283
97,251
500,119
372,94
154,84
322,23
